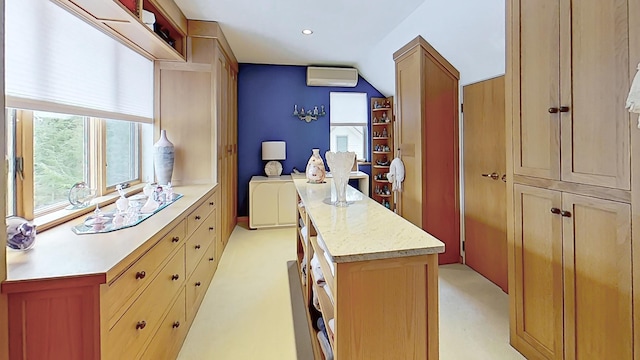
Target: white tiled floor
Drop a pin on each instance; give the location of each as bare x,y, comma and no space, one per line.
251,307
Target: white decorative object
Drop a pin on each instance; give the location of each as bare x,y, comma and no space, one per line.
273,151
340,164
315,168
163,158
122,203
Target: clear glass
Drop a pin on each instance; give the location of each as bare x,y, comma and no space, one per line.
60,157
340,164
10,137
122,151
349,138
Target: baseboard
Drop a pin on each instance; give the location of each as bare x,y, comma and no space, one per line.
243,219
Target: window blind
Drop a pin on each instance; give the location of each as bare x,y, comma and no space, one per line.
348,108
57,62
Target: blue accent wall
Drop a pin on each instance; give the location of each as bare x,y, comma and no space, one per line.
266,95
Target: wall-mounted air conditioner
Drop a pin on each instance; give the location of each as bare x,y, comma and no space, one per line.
328,76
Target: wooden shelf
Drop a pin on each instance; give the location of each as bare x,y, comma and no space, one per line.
381,109
378,124
380,138
380,166
382,195
382,152
326,308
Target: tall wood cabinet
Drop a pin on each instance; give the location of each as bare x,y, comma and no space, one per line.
571,199
198,108
427,135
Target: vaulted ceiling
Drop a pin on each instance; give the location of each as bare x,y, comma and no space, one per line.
360,33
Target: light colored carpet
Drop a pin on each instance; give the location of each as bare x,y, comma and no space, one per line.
253,308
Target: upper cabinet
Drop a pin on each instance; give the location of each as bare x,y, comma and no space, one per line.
573,125
154,28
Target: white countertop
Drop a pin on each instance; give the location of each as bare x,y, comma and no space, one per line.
365,230
58,252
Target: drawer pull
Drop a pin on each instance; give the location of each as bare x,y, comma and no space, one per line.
211,228
555,210
198,283
176,324
565,213
210,259
140,275
175,277
212,203
197,247
198,217
175,239
140,325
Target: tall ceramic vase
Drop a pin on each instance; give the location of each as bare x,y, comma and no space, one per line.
315,168
340,164
163,158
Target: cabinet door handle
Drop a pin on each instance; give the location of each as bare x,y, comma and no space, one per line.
553,110
565,213
556,210
176,324
140,275
211,228
210,259
175,239
140,325
494,176
198,283
504,178
197,247
212,203
175,277
564,109
198,217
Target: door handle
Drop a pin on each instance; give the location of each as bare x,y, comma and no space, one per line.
493,175
504,178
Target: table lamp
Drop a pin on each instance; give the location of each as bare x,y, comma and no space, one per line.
272,151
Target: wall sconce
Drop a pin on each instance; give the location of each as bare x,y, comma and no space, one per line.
309,114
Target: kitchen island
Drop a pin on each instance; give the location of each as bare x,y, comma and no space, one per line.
375,277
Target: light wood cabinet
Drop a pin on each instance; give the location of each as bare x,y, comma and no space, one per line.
587,242
571,202
271,201
203,93
573,124
427,134
122,19
142,311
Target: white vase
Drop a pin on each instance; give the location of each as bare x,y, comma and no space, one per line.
315,168
163,158
340,164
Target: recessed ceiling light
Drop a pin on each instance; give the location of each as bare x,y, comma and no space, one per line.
307,31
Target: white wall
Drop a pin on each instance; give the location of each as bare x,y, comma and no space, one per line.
470,34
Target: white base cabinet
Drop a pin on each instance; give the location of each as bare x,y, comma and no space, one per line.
271,202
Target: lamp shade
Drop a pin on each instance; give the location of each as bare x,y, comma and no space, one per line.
274,150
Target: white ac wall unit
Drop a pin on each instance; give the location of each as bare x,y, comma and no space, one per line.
328,76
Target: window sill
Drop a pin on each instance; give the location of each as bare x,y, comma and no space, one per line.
56,218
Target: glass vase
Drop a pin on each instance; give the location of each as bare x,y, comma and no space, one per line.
315,168
340,164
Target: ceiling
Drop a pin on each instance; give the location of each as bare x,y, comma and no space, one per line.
360,33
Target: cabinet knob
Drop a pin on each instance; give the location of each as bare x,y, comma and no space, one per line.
565,213
198,217
210,259
198,283
564,109
176,324
140,275
175,239
175,277
553,110
555,210
212,203
140,325
197,247
211,228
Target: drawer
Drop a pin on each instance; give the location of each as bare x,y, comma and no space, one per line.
197,244
198,216
198,284
120,293
134,329
168,339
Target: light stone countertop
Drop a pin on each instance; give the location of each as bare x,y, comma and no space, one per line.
364,230
60,253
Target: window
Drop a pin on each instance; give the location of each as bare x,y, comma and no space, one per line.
49,152
348,118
